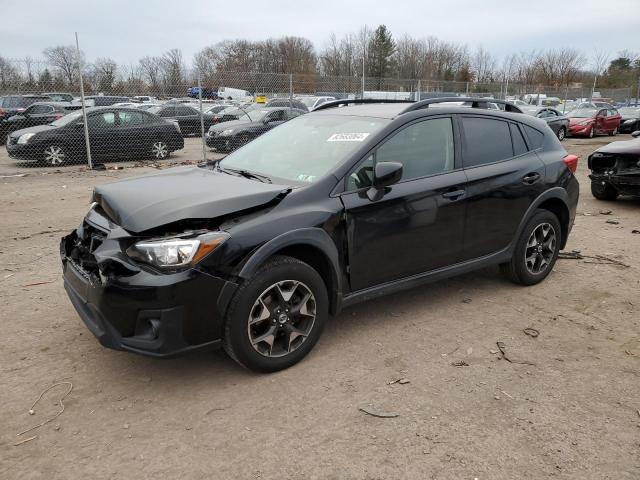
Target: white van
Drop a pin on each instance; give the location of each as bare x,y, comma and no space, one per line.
227,93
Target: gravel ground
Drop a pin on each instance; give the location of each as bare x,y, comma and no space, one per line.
572,413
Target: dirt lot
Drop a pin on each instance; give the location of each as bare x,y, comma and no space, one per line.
573,413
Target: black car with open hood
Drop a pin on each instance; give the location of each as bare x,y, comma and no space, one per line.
254,252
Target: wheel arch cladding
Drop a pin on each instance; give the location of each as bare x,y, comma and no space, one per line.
310,245
559,208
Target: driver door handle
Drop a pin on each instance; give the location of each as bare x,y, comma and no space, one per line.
531,178
454,194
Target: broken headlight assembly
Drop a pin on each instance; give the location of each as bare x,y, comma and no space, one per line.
176,252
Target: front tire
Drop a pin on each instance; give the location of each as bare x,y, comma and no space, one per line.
55,155
614,132
592,132
277,316
536,251
562,133
603,191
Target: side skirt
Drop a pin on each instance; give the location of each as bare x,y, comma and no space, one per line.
427,277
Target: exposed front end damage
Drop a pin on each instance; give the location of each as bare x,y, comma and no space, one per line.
620,171
129,306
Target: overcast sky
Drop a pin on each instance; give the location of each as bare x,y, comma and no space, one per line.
126,30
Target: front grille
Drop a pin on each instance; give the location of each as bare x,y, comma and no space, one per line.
87,239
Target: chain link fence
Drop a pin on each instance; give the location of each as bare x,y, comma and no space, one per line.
149,119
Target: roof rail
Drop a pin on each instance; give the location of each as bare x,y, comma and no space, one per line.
475,103
356,101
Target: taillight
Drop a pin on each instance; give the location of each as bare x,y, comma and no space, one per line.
571,161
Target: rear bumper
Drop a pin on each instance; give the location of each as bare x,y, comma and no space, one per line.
154,314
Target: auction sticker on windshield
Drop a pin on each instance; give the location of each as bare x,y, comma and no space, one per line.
347,137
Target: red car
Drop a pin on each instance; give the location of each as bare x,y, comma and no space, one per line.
588,122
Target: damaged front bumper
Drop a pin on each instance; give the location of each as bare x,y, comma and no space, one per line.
128,307
618,171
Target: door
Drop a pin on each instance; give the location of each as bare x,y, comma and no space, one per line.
136,136
41,115
417,226
601,121
104,135
504,176
613,120
188,119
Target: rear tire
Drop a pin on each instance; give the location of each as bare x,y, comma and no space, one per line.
277,316
159,150
536,250
603,191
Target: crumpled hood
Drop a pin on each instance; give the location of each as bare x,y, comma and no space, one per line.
575,121
142,203
624,146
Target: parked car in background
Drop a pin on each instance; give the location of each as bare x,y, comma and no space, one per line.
233,134
147,106
594,104
217,108
144,99
127,104
629,119
103,100
113,133
227,93
234,113
313,102
194,92
615,169
558,122
286,102
13,104
187,117
588,122
59,96
335,207
39,113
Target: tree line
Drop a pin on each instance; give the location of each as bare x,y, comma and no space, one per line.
385,57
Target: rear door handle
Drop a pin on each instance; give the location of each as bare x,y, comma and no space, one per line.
531,178
453,195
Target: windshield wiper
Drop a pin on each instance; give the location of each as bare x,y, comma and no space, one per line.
246,174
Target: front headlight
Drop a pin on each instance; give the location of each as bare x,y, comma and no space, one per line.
176,252
226,132
629,122
25,138
585,123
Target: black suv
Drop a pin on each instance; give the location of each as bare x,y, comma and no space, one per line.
253,253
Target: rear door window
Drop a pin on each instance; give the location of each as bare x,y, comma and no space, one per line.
485,141
183,111
519,145
535,137
128,119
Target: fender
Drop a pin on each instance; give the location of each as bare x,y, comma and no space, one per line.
553,193
313,237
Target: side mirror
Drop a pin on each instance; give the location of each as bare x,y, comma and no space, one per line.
636,134
387,173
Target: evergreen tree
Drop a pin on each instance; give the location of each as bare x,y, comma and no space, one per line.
380,55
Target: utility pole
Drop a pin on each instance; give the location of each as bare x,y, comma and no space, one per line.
204,142
364,55
84,107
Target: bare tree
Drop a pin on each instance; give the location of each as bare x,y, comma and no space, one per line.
599,61
150,68
483,65
105,73
65,59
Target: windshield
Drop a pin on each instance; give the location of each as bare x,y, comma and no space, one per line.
306,148
67,119
582,113
630,111
155,109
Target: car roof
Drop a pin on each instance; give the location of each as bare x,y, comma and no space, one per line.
395,109
53,104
